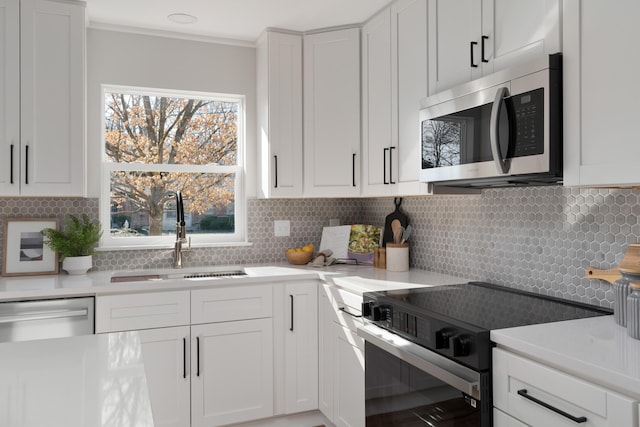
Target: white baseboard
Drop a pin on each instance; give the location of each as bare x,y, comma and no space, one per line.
306,419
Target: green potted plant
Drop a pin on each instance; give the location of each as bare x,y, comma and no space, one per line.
75,244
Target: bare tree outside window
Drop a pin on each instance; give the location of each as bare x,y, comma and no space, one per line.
440,143
156,145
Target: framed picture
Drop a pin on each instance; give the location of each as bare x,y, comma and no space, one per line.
24,252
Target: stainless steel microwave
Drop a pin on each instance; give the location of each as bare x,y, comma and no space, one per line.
504,129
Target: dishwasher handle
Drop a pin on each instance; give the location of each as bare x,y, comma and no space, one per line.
44,316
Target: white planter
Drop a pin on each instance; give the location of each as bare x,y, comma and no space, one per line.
77,264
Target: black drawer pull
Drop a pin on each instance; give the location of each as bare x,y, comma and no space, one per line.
11,165
384,166
353,169
291,299
579,420
473,64
391,181
197,356
344,310
275,174
482,49
26,164
184,357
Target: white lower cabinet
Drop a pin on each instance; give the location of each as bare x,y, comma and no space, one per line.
348,398
231,372
537,395
301,347
209,353
166,361
341,361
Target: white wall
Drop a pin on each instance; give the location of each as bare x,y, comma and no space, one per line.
118,58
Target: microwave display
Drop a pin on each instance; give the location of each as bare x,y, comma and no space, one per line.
463,137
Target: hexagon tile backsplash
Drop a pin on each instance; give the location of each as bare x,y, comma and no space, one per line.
540,239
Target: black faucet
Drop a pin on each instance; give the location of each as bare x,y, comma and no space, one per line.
181,232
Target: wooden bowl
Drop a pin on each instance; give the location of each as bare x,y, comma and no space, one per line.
298,258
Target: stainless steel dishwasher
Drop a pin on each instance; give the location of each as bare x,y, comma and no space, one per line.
42,319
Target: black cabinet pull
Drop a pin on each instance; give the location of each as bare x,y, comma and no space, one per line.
482,57
275,170
578,420
11,164
291,300
353,169
198,356
384,166
26,164
184,357
391,181
344,310
472,44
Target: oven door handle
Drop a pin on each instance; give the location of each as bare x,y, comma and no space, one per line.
460,377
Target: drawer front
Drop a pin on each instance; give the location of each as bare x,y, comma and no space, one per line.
523,387
500,419
348,307
233,303
141,311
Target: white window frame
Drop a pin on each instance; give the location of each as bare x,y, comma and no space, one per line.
237,238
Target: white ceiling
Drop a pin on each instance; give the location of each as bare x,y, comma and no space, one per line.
241,20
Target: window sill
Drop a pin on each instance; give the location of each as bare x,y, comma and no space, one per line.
170,247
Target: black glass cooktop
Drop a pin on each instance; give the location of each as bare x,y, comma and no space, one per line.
490,307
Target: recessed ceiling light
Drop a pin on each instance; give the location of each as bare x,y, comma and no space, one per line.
182,18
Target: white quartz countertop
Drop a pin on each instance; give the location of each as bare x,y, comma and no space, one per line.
84,381
595,349
99,283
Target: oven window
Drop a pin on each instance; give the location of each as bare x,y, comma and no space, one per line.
398,394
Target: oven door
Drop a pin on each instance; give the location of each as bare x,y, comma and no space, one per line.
408,385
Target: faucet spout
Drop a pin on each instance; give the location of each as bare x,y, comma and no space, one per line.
181,233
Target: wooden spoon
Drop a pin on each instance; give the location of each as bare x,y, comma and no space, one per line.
397,230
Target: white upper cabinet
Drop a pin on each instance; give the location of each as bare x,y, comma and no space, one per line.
279,89
379,144
600,92
10,98
394,77
331,76
472,38
46,156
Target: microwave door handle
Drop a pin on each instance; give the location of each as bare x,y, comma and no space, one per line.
502,163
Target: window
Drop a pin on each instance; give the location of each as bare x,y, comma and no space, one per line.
157,142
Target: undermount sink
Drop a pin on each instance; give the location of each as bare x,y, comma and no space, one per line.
139,276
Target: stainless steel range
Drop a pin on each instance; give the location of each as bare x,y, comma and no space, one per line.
428,351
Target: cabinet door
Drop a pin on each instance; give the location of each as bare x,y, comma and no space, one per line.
231,372
166,364
601,92
301,347
326,356
349,379
279,88
9,97
52,38
378,142
519,31
410,77
331,75
453,26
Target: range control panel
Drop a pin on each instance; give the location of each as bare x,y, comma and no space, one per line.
455,341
